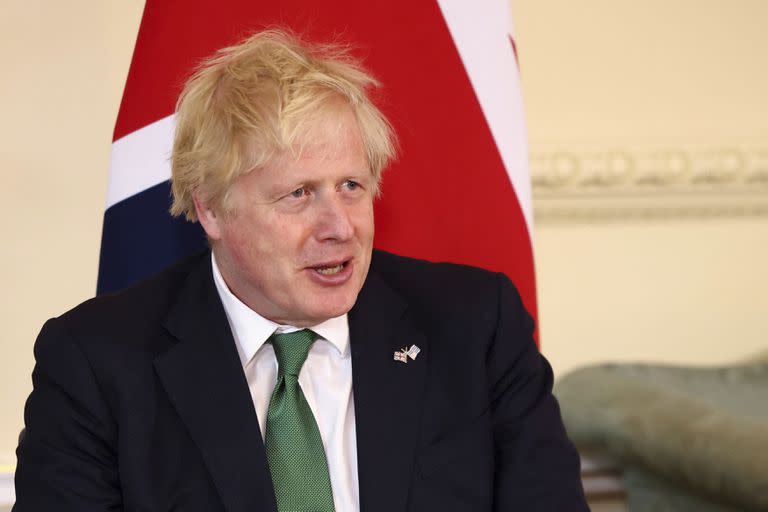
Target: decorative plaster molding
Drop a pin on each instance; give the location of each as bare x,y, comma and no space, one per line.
590,184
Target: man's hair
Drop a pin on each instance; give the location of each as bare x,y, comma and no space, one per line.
248,103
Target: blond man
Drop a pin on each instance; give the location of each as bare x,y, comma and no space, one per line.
292,367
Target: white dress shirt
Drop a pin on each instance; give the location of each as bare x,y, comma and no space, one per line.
325,379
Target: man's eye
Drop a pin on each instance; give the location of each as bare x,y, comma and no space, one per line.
351,185
298,193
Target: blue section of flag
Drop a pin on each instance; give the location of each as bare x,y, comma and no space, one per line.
140,238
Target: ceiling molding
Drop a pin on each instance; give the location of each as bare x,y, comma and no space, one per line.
646,182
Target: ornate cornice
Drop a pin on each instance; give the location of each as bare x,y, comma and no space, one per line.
591,184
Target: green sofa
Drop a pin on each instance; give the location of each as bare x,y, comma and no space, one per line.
687,438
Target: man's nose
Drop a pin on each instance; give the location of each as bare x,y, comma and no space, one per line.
334,221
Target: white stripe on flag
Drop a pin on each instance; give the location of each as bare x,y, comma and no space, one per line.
140,160
482,32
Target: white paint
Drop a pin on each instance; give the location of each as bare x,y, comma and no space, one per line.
7,489
481,32
140,160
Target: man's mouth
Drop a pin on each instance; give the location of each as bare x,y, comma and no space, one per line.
330,270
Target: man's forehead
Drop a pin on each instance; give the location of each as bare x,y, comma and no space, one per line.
333,130
330,155
321,158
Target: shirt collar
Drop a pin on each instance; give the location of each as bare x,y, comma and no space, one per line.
251,330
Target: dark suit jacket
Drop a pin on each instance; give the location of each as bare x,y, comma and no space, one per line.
140,402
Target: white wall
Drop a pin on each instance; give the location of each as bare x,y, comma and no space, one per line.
64,64
683,291
639,77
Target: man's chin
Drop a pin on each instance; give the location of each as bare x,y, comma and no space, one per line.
326,307
332,312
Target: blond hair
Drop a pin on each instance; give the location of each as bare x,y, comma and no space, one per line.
250,102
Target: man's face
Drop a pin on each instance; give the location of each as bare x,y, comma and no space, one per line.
297,247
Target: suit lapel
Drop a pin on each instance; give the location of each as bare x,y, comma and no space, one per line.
204,379
388,395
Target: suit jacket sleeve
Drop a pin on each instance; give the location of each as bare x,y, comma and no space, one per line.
536,464
66,458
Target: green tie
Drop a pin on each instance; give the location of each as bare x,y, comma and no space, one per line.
294,447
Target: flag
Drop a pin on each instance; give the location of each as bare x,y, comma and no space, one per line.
459,190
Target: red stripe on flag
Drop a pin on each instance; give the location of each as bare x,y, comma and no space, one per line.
448,198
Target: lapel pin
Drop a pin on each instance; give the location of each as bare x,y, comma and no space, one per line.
404,353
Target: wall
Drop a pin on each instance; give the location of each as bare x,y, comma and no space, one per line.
674,271
64,64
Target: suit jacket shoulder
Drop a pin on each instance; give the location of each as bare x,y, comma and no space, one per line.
104,425
146,302
468,302
442,287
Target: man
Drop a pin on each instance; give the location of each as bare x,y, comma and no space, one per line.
293,368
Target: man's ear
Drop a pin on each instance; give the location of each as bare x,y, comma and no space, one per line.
207,216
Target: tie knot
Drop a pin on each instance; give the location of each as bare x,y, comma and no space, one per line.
291,350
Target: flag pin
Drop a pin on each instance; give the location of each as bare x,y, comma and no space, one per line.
404,353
